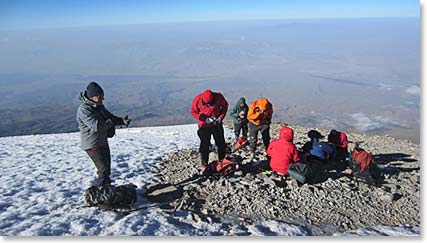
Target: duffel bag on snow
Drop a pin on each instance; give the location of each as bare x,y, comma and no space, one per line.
300,172
110,197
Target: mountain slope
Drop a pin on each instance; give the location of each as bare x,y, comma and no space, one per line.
43,177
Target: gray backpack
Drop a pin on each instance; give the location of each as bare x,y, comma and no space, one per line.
110,197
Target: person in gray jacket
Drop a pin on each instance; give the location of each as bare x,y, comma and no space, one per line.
96,125
240,122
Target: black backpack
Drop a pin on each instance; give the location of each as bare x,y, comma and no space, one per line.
371,176
109,197
301,172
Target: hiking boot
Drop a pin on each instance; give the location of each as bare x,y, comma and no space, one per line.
203,168
252,156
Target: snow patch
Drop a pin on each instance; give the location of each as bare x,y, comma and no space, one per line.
382,230
413,90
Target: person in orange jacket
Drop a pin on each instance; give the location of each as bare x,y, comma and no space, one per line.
259,117
283,151
210,108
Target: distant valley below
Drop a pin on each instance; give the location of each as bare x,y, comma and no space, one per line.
358,75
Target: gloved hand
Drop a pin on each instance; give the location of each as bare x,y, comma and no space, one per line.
241,114
217,120
209,120
127,120
109,123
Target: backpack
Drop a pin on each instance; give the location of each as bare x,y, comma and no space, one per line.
110,197
241,142
300,172
224,167
364,167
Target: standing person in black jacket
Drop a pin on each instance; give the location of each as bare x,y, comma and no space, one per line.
240,122
96,124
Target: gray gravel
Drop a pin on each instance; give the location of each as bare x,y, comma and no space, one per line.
337,203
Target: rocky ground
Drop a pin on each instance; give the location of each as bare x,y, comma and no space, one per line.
335,203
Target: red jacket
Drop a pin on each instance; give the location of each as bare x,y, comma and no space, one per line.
340,141
282,151
208,104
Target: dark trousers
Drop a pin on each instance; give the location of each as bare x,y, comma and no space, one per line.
243,126
102,160
205,141
264,129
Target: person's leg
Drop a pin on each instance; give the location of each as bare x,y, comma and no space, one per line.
204,134
237,128
107,157
253,136
265,132
101,158
218,134
245,130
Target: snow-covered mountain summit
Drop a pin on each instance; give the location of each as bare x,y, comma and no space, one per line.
43,177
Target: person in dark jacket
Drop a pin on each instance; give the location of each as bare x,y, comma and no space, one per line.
239,114
96,124
340,141
210,108
318,149
259,117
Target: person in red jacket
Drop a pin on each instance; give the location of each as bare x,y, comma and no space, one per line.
209,108
339,139
283,151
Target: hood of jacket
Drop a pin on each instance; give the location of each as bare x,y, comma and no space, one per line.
262,104
207,96
287,134
84,99
242,100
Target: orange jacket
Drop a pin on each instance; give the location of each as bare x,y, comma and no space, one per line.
254,114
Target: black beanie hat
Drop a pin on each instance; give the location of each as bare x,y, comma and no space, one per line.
93,89
314,134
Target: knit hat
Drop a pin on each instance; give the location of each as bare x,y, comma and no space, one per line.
93,89
315,134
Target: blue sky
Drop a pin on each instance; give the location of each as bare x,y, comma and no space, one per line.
27,14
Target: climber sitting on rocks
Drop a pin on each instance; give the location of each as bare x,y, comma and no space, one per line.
340,141
316,149
283,151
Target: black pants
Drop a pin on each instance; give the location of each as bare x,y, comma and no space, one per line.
243,126
205,141
264,129
102,160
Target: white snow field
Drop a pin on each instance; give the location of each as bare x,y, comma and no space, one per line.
43,178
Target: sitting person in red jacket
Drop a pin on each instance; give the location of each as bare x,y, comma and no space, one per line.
209,108
339,139
283,151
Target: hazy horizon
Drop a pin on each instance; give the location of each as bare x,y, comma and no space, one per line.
354,74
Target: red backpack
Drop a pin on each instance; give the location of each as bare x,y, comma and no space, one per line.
362,157
365,168
223,167
241,142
